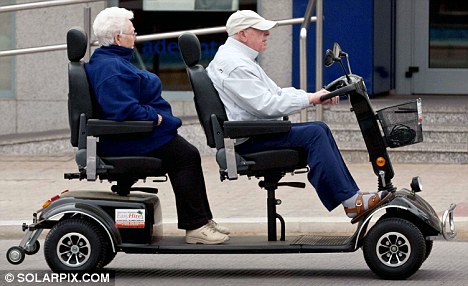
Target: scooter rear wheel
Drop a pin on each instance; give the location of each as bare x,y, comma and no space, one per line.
394,248
107,256
73,245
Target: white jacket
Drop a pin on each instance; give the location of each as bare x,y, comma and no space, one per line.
246,90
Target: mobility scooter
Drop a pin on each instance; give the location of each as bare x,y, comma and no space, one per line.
88,228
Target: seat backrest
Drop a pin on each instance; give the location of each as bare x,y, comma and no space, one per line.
207,101
80,97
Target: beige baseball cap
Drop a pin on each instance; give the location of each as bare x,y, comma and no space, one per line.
244,19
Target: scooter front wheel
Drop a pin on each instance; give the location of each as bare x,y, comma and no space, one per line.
394,248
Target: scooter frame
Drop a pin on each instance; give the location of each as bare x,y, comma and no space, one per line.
407,209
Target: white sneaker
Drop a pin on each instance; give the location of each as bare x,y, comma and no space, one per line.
205,235
219,228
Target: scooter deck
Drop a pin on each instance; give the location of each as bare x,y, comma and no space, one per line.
247,244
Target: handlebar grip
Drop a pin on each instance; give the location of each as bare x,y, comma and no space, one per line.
341,91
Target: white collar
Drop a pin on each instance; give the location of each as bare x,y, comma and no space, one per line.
251,53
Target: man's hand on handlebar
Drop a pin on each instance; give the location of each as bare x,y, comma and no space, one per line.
314,98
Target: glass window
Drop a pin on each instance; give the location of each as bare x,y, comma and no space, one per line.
7,67
158,16
190,5
448,24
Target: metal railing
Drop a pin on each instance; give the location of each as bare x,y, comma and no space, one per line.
303,51
318,57
143,38
46,4
43,4
305,21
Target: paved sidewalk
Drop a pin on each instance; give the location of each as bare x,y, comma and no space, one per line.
27,182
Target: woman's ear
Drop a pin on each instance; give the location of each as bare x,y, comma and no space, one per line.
117,39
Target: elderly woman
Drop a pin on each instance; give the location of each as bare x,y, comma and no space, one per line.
124,92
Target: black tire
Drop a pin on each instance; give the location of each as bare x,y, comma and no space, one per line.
15,255
74,245
394,248
108,255
35,248
429,244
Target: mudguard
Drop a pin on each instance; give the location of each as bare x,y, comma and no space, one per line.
73,205
408,205
415,204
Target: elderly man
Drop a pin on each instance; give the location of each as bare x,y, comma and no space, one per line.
249,94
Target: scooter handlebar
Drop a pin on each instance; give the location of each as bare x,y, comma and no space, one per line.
339,92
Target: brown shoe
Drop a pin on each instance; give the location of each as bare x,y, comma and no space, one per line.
374,201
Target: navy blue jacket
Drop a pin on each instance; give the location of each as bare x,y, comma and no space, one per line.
124,92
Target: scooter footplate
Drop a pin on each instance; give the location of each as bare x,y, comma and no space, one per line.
321,240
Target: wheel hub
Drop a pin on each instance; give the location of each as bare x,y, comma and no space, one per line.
14,255
393,249
73,249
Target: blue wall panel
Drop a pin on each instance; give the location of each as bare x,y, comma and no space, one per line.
350,23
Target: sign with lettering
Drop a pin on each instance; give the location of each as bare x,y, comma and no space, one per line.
130,218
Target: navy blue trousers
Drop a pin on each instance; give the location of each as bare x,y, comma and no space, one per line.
328,172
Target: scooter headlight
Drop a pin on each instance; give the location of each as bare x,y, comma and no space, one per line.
416,184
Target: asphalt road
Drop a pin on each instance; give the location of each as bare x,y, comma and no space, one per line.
447,265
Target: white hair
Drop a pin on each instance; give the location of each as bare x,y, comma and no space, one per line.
109,22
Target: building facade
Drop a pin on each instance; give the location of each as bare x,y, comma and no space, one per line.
398,46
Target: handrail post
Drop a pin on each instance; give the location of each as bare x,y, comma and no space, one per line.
318,57
87,29
303,52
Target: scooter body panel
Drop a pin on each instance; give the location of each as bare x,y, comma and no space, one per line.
101,207
410,206
419,207
131,219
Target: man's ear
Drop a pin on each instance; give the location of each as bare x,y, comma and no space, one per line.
242,36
